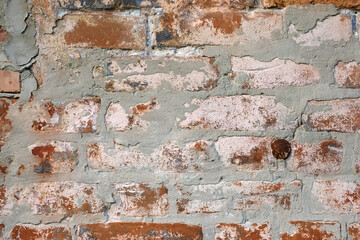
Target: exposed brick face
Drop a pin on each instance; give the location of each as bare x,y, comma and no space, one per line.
5,121
272,74
9,81
342,116
243,231
338,3
29,232
313,230
117,230
354,231
347,75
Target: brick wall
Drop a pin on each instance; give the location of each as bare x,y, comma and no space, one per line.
187,119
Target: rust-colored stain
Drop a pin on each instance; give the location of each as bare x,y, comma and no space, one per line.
2,227
241,232
200,146
104,30
5,123
181,204
309,231
255,159
50,109
225,23
137,230
280,148
86,127
33,233
20,170
142,108
94,151
3,197
354,231
353,78
3,169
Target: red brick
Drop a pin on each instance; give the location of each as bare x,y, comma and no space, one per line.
139,199
5,122
347,75
189,206
116,119
144,73
324,157
215,27
101,30
246,153
228,231
354,231
337,196
59,198
341,115
31,232
3,34
54,157
273,74
9,81
134,230
306,230
168,157
337,28
338,3
240,113
2,229
3,200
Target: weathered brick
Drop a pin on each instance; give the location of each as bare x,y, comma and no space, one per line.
205,5
45,14
189,206
116,230
5,122
336,28
240,113
273,74
31,232
340,115
139,199
337,196
141,73
80,116
324,157
49,116
105,4
228,231
347,75
354,231
101,30
169,157
54,157
338,3
3,34
2,229
307,230
3,200
9,81
118,120
246,153
59,198
214,27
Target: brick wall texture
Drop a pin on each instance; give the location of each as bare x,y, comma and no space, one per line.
180,119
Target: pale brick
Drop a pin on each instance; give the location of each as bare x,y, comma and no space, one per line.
40,232
118,120
136,230
80,116
275,73
58,198
54,157
169,157
141,73
337,3
229,231
354,231
347,75
240,113
307,230
337,28
98,30
337,196
246,153
324,157
49,116
139,199
214,27
188,206
340,115
9,81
